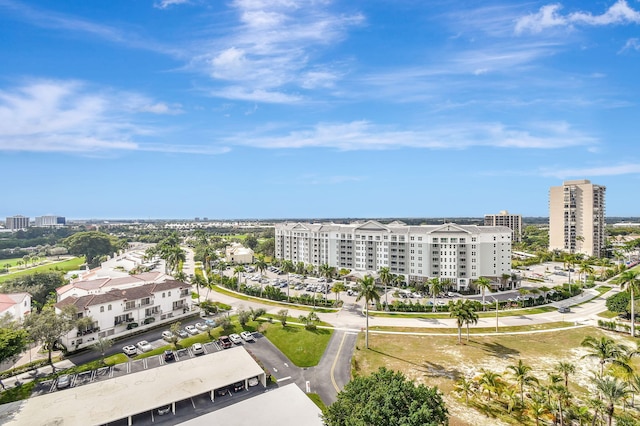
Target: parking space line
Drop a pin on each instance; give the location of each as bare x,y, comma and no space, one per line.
145,365
193,403
284,378
129,367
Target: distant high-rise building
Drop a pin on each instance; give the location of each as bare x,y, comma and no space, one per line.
512,221
50,221
17,222
576,218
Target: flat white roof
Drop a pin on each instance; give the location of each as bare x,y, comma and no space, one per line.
113,399
284,406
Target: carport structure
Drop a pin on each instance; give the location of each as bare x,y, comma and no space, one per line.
126,396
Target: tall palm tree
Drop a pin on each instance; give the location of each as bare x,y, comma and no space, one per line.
261,265
458,310
435,287
288,267
471,316
483,284
605,350
237,271
565,368
385,276
367,291
522,375
585,269
199,281
613,391
630,280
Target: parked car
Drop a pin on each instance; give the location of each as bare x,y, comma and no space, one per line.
210,323
64,381
182,334
235,338
164,410
564,309
197,349
130,350
167,335
169,356
238,386
253,382
247,335
225,342
201,326
144,346
191,330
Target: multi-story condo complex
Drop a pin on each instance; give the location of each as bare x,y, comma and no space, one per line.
454,253
577,218
17,222
49,221
512,221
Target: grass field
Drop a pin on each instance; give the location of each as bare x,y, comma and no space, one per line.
478,330
64,266
440,361
303,347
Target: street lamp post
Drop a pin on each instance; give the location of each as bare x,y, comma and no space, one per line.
496,312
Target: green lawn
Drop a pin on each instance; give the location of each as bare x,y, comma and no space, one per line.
241,296
63,266
303,347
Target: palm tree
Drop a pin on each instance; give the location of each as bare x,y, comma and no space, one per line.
605,350
288,267
545,291
522,375
199,281
586,269
237,271
435,287
337,288
261,265
367,290
6,266
490,382
464,387
471,316
483,283
613,391
565,368
458,310
630,280
537,407
385,276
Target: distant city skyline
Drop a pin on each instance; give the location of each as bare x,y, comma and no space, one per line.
172,109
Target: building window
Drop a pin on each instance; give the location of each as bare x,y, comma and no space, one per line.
108,307
101,308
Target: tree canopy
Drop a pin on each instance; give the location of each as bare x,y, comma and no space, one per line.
39,285
92,245
12,342
386,398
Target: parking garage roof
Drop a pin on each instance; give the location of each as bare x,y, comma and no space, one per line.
131,394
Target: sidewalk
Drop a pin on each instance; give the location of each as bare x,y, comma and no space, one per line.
33,354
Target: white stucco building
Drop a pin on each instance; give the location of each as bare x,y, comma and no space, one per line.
115,305
17,305
237,253
454,253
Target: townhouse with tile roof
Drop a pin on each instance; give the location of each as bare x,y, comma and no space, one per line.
17,305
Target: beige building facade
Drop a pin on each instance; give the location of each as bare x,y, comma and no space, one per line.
577,218
512,221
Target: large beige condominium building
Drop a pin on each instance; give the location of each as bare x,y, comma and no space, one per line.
512,221
576,218
454,253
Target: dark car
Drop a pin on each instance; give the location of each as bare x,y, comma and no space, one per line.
225,342
564,309
169,356
237,387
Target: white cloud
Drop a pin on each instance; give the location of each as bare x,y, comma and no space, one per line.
272,50
548,17
631,44
363,135
616,170
69,116
164,4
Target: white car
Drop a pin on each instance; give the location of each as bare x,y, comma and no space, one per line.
191,330
235,338
197,349
247,335
201,326
130,350
144,346
167,335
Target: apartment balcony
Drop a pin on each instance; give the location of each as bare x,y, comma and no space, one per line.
88,331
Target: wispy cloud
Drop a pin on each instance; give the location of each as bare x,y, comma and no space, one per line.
270,54
549,16
631,44
164,4
615,170
70,116
363,135
60,21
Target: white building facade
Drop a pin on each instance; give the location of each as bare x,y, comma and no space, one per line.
457,254
16,305
504,218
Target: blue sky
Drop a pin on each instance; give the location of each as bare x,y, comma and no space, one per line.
318,108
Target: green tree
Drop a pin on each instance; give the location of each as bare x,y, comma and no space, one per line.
522,375
458,310
612,391
251,241
367,291
337,288
565,368
237,271
40,285
619,303
243,316
464,387
605,351
435,287
288,267
13,341
282,316
491,382
386,277
47,326
483,284
471,316
630,281
175,329
101,346
309,320
386,398
257,313
90,244
260,264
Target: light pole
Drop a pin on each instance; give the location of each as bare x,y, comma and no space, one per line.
496,311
